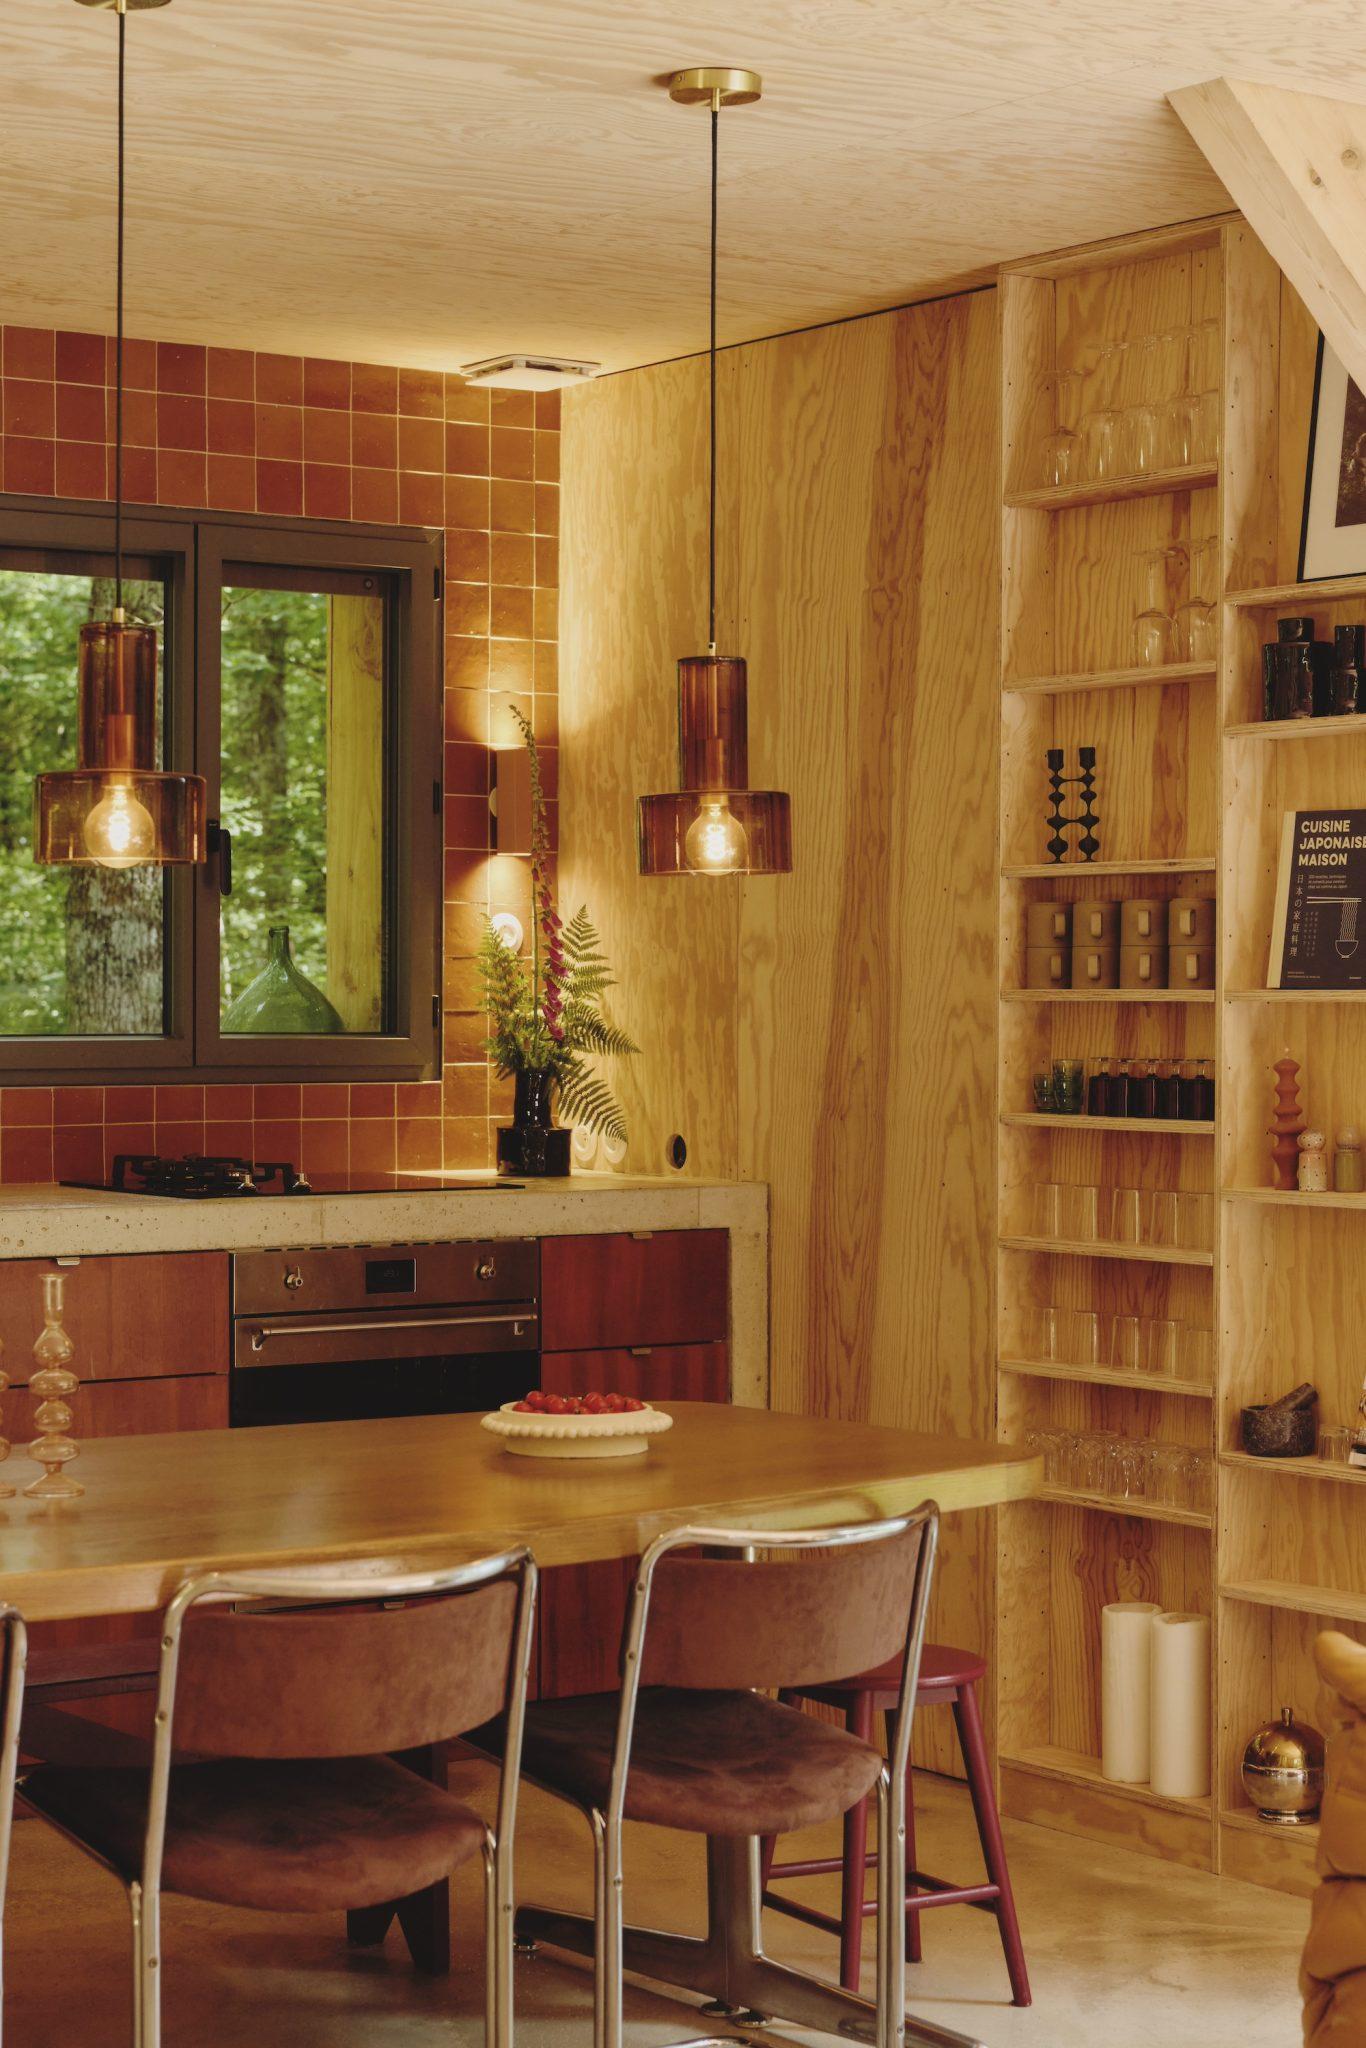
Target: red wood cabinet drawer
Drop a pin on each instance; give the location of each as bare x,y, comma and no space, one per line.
161,1316
670,1287
669,1372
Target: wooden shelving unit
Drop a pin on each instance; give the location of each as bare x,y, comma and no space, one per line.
1161,677
1154,1126
1106,1376
1183,763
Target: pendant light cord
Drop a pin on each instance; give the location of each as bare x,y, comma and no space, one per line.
711,508
118,338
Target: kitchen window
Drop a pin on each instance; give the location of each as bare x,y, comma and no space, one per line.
299,674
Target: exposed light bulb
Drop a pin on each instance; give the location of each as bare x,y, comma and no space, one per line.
509,930
119,831
716,842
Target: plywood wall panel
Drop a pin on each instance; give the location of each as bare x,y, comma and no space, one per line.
830,1032
633,581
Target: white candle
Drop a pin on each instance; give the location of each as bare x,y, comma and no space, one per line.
1126,1636
1179,1715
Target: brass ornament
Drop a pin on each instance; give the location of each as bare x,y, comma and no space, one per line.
696,86
1283,1771
127,7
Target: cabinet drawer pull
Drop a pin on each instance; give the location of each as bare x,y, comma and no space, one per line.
642,1236
642,1350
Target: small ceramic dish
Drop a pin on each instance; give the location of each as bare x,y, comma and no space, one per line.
576,1436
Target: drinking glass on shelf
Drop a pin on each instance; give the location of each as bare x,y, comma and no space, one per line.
1161,570
1125,1469
1195,619
1044,1100
1196,1353
1170,1480
1046,1213
1334,1445
1126,1216
1141,438
1083,1344
1163,1343
1100,432
1069,1078
1200,1467
1043,1333
1204,387
1154,639
1126,1343
1088,1462
1062,444
1162,1218
1081,1214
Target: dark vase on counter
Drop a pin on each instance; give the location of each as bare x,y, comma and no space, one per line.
531,1145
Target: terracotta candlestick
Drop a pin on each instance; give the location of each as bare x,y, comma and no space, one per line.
1286,1124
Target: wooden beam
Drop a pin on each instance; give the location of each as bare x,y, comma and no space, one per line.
1295,164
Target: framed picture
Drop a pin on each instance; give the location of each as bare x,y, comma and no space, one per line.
1333,535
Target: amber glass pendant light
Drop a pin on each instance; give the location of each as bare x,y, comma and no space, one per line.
116,808
714,824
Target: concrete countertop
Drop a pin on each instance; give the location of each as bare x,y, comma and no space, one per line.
43,1222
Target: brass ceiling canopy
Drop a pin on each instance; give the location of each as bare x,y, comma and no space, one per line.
690,88
127,6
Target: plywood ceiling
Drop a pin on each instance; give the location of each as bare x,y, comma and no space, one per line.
425,182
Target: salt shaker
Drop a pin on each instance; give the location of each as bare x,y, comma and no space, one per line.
1313,1163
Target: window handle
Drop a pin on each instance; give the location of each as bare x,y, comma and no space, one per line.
220,843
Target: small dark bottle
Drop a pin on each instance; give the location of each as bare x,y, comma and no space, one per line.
1190,1092
1204,1097
1269,681
1169,1093
1143,1092
1117,1090
1303,688
1097,1088
1347,665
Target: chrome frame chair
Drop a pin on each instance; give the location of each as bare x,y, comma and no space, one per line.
13,1656
729,1965
354,1581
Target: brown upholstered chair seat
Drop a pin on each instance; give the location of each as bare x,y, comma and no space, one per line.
282,1835
713,1763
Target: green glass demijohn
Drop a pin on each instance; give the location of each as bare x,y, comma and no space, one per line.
281,998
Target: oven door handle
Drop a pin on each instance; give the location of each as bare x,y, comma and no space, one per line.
300,1328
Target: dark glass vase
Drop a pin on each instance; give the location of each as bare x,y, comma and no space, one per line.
530,1145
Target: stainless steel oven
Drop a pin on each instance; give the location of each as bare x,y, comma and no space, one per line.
352,1331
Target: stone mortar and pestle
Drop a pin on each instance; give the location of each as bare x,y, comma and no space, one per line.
1287,1428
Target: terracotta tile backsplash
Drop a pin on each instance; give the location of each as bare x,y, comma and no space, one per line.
225,430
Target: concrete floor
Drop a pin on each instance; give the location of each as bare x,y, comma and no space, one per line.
1123,1952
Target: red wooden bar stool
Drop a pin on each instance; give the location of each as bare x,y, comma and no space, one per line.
947,1677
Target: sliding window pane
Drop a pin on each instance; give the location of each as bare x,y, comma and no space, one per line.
82,950
305,722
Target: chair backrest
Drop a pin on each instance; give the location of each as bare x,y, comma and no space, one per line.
746,1623
349,1674
719,1623
13,1654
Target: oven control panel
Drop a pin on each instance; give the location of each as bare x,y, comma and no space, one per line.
333,1277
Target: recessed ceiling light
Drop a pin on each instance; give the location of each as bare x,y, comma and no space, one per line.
528,373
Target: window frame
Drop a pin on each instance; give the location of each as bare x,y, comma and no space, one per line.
194,546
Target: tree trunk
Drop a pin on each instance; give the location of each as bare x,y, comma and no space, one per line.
270,766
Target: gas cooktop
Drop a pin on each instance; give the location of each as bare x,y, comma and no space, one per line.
198,1179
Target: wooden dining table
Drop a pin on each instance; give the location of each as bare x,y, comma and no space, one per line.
158,1508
